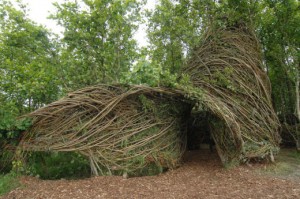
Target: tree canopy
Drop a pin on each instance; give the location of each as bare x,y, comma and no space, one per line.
97,44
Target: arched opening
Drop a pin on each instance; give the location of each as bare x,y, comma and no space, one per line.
199,135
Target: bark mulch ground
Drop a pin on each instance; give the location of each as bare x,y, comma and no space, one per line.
201,176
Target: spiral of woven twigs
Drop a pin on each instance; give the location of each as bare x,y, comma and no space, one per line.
227,70
119,128
126,128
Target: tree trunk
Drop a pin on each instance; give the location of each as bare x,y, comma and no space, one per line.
297,109
298,95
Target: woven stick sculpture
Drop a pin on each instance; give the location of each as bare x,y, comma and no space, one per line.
119,128
126,128
228,79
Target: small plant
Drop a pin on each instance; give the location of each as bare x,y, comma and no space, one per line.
57,165
8,182
147,104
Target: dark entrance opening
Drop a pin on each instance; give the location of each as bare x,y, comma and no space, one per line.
199,132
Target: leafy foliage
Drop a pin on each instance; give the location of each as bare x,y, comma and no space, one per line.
57,165
279,32
97,45
27,61
150,73
173,30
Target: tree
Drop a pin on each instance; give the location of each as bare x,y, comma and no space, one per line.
97,45
173,30
280,36
28,72
27,61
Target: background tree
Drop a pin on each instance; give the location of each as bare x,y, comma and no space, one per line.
97,44
280,36
173,29
279,31
28,73
27,64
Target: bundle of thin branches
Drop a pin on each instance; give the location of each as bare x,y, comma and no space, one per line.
119,128
227,78
126,128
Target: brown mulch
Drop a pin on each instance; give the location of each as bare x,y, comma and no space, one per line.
201,176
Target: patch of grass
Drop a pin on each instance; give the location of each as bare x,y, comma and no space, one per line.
279,168
8,182
295,155
287,165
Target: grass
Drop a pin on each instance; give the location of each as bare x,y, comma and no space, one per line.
295,155
287,165
8,182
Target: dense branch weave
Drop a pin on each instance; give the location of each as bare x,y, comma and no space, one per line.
227,78
126,128
119,128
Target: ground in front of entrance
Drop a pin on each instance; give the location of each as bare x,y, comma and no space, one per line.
201,176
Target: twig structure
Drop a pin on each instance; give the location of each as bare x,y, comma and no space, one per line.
124,129
119,128
228,79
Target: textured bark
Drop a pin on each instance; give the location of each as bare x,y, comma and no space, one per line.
298,96
298,110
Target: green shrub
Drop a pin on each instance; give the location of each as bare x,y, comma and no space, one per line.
10,135
57,165
8,182
5,161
